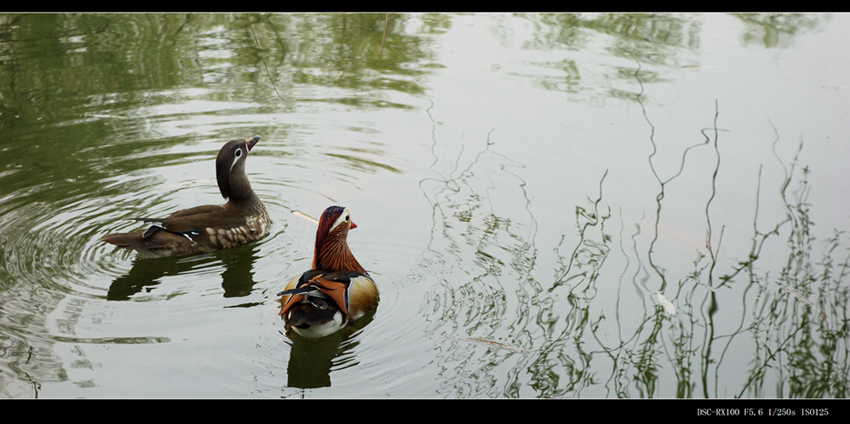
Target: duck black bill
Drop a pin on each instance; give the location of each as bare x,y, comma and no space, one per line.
252,142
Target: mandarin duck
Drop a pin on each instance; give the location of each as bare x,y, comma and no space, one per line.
337,290
211,227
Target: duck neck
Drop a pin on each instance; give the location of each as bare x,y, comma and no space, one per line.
332,254
249,204
238,189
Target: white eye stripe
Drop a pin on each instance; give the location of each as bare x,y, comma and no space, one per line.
344,217
236,155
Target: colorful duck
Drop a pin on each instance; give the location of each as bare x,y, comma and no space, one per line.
337,290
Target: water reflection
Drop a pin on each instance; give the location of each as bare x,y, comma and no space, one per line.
692,344
146,272
557,214
311,361
777,30
572,319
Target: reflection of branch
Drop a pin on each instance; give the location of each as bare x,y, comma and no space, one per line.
708,203
592,221
259,50
386,24
760,372
662,184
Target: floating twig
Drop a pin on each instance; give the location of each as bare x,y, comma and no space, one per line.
307,217
492,343
808,302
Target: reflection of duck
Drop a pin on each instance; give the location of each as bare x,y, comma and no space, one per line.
207,228
337,290
237,278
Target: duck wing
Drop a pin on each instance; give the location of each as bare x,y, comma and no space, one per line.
191,222
322,285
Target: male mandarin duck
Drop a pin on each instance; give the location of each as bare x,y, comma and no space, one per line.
337,290
211,227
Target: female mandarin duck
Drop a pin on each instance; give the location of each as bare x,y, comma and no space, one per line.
337,290
212,227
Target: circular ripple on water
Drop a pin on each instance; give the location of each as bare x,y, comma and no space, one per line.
51,245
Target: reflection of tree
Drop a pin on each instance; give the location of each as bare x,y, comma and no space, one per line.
635,35
342,51
774,30
651,39
108,79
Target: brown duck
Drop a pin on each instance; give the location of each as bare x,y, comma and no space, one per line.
211,227
337,290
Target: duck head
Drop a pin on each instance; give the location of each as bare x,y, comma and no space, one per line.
332,252
230,169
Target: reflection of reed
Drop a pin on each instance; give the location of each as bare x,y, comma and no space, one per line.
793,335
774,312
560,338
